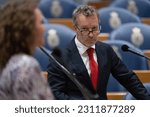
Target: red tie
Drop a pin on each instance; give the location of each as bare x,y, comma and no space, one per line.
93,67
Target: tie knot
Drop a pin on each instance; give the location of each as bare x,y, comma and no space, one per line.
90,51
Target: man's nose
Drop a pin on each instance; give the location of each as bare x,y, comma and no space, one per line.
90,34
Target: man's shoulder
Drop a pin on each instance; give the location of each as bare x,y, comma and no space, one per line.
102,44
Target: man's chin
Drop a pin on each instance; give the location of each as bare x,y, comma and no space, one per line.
91,44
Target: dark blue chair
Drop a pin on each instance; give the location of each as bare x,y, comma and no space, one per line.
45,20
55,36
130,97
133,62
42,58
135,33
138,7
57,8
112,17
2,2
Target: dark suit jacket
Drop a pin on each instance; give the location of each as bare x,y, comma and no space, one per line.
108,62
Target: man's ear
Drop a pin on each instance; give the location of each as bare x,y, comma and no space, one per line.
75,28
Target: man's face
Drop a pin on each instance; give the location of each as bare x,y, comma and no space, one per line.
87,29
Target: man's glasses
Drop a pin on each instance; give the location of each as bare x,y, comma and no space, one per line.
87,31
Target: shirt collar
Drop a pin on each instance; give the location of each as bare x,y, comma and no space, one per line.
82,48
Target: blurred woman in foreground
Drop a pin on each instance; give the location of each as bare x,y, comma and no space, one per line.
21,31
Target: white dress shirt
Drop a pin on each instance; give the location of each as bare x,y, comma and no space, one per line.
83,53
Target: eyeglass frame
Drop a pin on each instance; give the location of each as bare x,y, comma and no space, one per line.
89,31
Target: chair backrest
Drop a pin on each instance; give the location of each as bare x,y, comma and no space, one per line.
112,17
2,2
57,35
45,20
138,7
133,62
136,33
57,8
42,58
128,96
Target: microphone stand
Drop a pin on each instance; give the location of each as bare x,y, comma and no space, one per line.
139,54
126,48
85,92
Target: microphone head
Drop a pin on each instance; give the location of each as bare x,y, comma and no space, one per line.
125,48
57,52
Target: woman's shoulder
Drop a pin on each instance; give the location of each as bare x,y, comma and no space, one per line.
22,78
22,60
21,63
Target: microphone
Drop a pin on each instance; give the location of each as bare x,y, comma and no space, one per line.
126,48
85,92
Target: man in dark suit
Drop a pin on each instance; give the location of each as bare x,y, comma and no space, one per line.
92,62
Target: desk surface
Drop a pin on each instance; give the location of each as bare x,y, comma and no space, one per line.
116,95
144,75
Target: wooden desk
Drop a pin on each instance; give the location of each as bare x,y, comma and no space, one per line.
116,95
147,53
144,75
146,20
103,36
64,21
101,4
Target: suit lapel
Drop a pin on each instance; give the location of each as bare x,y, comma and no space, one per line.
77,66
100,58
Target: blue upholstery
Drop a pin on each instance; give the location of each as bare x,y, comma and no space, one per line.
54,33
42,58
133,62
138,7
135,33
2,2
111,18
57,35
57,8
130,97
45,20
